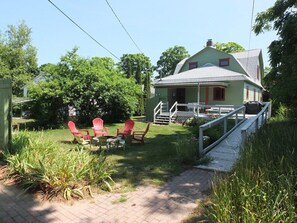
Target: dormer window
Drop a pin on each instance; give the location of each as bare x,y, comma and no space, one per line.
193,65
224,62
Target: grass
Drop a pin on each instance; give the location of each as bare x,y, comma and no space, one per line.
154,162
263,185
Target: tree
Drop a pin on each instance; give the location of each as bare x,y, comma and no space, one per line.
169,59
18,59
139,67
93,86
136,66
282,78
229,47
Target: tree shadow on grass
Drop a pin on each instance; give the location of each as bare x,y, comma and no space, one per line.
153,162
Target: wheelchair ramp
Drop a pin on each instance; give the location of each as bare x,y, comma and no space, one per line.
225,154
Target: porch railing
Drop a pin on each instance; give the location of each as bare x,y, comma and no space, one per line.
258,120
172,111
160,108
223,119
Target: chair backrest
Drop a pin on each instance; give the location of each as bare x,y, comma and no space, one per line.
129,125
147,129
72,127
98,123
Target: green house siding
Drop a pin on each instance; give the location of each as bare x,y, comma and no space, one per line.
233,94
213,56
192,94
5,113
252,93
162,94
151,103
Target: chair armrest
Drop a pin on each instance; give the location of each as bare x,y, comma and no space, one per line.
138,132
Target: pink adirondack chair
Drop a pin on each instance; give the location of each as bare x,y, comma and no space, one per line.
78,134
127,130
98,128
139,135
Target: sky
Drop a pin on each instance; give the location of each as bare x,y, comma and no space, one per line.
155,25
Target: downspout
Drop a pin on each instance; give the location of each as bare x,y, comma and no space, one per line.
198,98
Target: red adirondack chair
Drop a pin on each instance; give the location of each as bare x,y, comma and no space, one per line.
139,135
98,128
127,130
78,134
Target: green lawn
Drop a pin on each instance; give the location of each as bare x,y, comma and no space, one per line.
154,162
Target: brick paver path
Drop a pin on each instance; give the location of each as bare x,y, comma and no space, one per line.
170,203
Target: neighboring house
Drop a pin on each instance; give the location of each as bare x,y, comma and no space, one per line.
38,78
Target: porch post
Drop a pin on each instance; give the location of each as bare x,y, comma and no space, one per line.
198,99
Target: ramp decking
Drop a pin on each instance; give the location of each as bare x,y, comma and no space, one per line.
227,152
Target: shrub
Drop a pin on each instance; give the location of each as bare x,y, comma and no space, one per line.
42,165
187,150
195,121
214,133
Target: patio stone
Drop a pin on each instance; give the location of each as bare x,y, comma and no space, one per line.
170,203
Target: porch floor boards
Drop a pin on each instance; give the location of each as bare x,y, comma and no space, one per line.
227,152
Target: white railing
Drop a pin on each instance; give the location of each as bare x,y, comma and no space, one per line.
172,111
165,106
258,120
224,119
157,110
160,108
209,109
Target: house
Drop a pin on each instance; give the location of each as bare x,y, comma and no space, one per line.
212,77
38,78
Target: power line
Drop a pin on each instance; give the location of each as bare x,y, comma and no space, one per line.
251,29
123,26
83,30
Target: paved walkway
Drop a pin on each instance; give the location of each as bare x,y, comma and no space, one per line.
170,203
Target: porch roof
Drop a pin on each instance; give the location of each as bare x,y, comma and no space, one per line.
208,74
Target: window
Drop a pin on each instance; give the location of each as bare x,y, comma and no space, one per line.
224,62
254,94
193,65
218,94
247,92
259,93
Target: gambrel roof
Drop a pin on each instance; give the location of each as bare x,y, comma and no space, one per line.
249,60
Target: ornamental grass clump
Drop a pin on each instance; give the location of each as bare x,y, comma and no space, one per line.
263,185
42,165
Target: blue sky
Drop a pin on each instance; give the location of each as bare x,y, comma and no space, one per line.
155,25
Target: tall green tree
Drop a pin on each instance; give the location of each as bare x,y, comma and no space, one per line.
282,78
229,47
136,66
139,67
169,59
18,58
